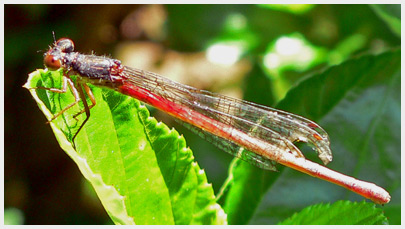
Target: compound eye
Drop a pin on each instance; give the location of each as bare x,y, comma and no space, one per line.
52,62
66,45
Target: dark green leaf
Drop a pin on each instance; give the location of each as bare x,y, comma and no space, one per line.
339,213
358,104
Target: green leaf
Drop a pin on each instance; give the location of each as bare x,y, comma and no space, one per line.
243,191
339,213
142,171
358,104
390,14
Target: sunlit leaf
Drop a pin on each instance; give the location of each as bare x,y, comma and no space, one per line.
142,171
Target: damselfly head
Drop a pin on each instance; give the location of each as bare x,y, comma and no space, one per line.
53,58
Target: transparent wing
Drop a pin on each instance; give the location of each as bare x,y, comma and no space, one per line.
276,127
232,148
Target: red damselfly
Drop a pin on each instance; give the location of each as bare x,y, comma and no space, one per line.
257,134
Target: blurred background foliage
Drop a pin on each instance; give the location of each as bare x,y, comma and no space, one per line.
255,52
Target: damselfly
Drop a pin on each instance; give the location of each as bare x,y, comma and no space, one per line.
257,134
